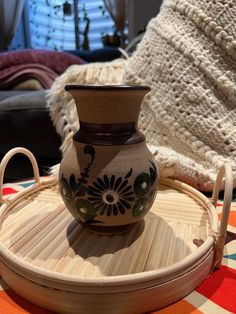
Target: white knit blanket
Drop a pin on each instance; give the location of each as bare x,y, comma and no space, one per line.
188,57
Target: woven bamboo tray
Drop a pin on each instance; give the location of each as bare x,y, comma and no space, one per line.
46,256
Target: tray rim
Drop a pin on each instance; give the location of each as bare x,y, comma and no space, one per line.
26,269
135,286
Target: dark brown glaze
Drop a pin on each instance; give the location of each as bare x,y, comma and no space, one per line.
108,134
108,229
107,87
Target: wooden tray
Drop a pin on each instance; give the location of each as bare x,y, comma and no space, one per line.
46,256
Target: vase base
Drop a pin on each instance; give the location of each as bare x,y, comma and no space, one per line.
109,230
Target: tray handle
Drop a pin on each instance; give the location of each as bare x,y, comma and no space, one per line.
225,171
8,156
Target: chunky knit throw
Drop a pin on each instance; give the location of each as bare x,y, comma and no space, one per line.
188,57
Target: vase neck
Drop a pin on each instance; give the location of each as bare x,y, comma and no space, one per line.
109,134
108,106
108,115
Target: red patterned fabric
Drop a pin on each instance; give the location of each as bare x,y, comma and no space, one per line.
220,288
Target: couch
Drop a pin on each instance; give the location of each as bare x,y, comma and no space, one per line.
25,117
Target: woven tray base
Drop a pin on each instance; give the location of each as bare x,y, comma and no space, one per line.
46,256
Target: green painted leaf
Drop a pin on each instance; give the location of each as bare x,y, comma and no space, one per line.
142,184
85,209
65,190
141,207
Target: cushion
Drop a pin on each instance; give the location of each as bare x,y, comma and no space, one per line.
25,121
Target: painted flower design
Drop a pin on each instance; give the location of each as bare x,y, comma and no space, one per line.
142,184
153,172
65,190
111,195
85,209
141,207
145,191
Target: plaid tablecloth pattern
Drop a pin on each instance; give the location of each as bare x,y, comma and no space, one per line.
216,294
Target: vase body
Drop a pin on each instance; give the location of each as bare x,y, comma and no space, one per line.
108,178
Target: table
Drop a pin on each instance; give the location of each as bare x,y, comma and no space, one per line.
217,294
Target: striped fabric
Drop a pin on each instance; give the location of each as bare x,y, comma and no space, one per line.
216,295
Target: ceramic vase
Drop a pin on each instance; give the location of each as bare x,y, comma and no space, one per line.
108,178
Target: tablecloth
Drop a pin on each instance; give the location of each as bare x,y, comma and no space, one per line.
216,294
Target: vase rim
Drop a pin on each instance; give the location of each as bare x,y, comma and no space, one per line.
107,87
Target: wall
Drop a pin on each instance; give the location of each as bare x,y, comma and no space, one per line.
139,14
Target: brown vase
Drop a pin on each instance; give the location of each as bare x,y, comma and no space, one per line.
108,179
